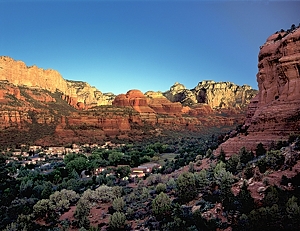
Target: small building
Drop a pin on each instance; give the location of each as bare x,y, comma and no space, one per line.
137,174
35,148
149,167
56,150
97,171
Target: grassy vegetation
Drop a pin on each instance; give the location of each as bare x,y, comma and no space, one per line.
166,157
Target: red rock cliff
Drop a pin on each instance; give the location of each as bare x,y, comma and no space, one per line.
275,112
79,94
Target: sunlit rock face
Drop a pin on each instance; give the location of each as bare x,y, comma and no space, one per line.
79,94
151,102
216,94
39,106
275,112
17,73
133,98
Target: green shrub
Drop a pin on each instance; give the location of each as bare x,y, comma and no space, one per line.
117,221
161,205
160,188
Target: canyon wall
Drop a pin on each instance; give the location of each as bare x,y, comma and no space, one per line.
79,94
39,106
274,113
216,94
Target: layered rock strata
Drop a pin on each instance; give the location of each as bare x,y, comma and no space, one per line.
39,106
151,102
275,113
215,94
79,94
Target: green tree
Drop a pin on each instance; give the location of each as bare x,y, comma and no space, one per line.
65,194
117,221
274,159
245,199
271,196
118,204
161,206
191,167
275,217
81,213
232,163
224,180
115,158
45,209
245,156
41,208
105,194
160,187
26,187
209,153
74,175
222,155
69,157
47,190
25,222
122,171
171,183
79,164
293,212
260,150
11,227
186,187
243,223
201,180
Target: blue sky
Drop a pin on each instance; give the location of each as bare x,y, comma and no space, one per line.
148,45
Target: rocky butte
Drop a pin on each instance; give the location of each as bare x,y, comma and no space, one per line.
39,106
274,113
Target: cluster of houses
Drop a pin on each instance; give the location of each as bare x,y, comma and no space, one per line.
37,155
137,172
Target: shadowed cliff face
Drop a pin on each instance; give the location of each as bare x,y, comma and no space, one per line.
279,68
275,112
278,80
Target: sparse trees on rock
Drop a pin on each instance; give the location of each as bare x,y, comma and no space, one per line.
245,156
260,150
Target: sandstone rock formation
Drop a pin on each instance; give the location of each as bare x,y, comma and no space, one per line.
89,95
39,106
151,102
17,73
135,99
215,94
275,112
